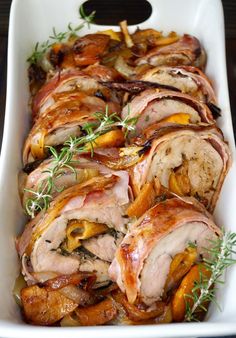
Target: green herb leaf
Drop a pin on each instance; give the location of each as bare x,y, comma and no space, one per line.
220,253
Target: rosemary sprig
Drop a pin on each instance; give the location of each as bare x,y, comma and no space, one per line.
87,18
103,122
221,252
41,49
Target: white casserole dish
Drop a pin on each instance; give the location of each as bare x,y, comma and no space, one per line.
32,21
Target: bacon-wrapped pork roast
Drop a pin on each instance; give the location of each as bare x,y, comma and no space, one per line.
189,80
72,80
189,161
153,106
143,260
82,169
186,51
62,120
53,240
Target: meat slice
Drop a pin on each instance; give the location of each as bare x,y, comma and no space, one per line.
189,80
196,155
143,259
86,168
104,246
153,106
186,51
101,200
62,120
67,81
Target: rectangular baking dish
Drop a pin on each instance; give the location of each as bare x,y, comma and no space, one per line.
32,21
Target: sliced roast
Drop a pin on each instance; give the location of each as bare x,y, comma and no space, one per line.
72,80
190,161
189,80
89,209
143,259
153,106
104,246
83,170
62,120
186,51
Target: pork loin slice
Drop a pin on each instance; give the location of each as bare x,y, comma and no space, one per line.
143,259
62,120
47,257
152,106
104,246
189,80
186,51
85,168
201,149
101,200
71,80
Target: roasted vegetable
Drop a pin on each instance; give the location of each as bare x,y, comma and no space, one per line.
184,292
134,313
42,307
144,201
97,314
113,138
79,230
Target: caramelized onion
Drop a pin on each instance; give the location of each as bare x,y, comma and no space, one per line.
97,314
84,279
79,296
134,313
18,286
127,157
69,320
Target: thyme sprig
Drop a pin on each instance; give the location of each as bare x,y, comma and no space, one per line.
62,160
41,48
220,253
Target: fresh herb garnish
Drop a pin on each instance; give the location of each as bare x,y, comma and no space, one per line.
57,37
87,18
204,290
192,245
40,199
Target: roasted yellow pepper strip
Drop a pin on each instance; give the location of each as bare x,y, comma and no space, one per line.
144,201
113,138
174,185
113,35
180,118
79,230
179,182
167,40
185,289
180,265
37,145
